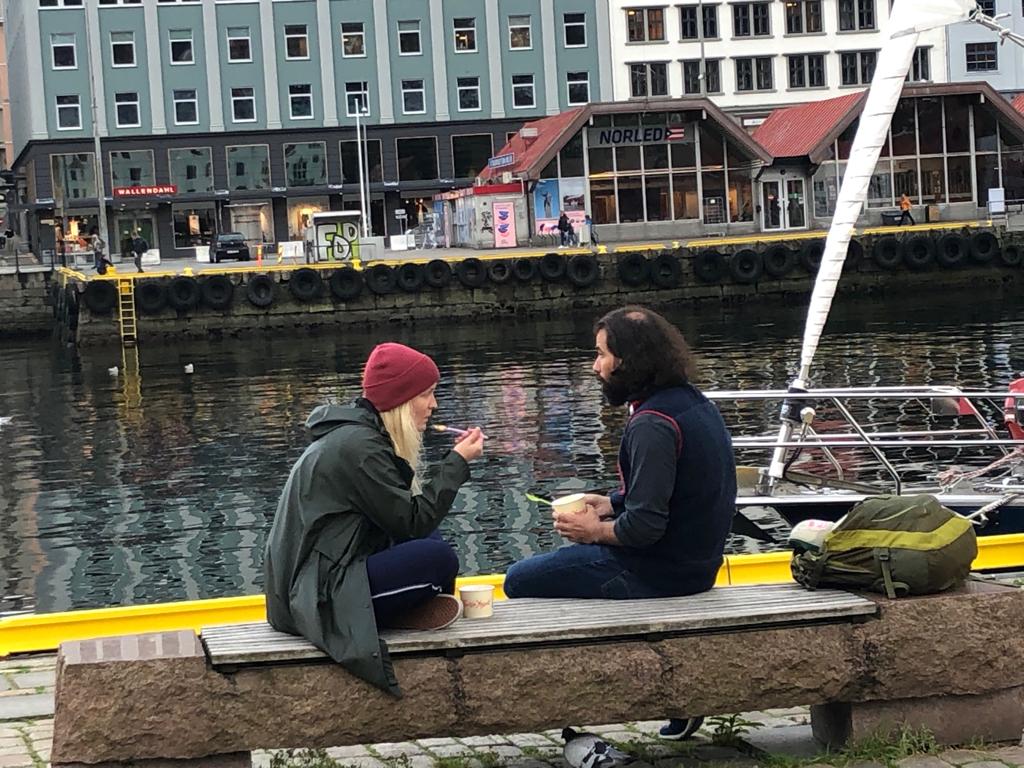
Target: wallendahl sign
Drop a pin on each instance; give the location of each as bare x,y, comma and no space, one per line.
153,191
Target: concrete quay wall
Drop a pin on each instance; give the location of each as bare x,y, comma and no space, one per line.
25,307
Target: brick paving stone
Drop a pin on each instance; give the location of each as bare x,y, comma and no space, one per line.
484,741
923,761
16,761
5,684
647,727
864,764
356,750
394,749
430,743
362,762
527,762
616,733
29,705
45,661
17,749
421,761
11,741
985,764
963,756
793,741
531,740
451,750
36,679
1010,755
506,751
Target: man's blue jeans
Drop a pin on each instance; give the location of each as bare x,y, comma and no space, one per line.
578,570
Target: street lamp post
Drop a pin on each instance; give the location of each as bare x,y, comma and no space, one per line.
362,111
101,192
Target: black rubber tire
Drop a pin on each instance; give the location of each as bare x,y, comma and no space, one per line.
951,251
919,252
854,255
810,255
633,269
217,291
582,270
666,270
746,266
525,269
100,296
471,272
779,261
183,293
1011,256
380,279
150,296
438,273
409,277
984,247
261,290
551,267
887,253
499,271
305,284
346,284
709,266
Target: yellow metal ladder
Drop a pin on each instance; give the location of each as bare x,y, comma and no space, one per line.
126,310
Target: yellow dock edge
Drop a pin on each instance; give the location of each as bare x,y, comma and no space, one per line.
33,633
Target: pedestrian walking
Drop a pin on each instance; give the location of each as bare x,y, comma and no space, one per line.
905,206
139,247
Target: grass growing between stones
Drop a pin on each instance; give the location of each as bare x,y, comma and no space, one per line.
886,749
318,758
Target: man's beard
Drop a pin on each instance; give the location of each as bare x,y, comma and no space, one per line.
614,391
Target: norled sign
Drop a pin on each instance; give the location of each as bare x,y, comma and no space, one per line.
651,134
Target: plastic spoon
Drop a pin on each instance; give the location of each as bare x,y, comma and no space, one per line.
539,499
453,430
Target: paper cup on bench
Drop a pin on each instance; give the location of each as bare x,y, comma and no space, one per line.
477,600
568,504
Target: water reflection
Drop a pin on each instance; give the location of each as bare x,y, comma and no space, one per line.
120,490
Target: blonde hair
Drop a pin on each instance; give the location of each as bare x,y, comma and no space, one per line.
405,437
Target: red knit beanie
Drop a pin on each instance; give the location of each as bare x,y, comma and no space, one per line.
395,374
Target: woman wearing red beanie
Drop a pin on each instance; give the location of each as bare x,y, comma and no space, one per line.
354,545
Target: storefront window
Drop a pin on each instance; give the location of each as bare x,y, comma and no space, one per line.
193,225
254,220
470,154
741,197
958,123
826,190
880,186
372,165
656,157
684,156
684,196
929,117
571,156
958,168
602,201
988,176
550,171
905,179
300,213
658,198
417,159
74,176
191,169
933,185
631,199
904,130
132,168
986,137
714,196
627,159
305,165
712,149
249,167
1013,175
845,140
601,161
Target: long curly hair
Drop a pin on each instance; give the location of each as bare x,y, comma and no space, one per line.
652,353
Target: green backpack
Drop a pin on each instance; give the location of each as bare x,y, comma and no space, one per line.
897,545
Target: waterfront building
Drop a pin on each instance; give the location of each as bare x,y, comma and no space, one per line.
240,114
757,55
975,53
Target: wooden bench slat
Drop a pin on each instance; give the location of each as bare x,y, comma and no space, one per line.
519,622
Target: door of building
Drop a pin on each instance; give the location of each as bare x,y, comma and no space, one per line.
771,209
130,223
783,204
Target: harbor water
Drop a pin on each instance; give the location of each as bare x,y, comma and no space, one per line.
123,488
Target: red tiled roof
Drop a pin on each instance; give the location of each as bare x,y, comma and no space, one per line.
1018,102
797,131
528,151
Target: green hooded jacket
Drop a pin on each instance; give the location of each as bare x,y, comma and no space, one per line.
347,497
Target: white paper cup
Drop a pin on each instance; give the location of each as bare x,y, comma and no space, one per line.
477,600
571,503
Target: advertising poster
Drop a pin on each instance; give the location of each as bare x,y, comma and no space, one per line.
573,193
546,205
504,225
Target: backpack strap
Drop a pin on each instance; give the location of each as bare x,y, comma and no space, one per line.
893,588
670,420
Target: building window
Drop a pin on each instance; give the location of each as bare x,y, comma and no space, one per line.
243,105
69,113
921,70
470,153
56,3
858,67
648,79
856,15
574,29
409,38
191,169
691,76
63,52
645,25
754,74
982,57
577,87
126,109
803,17
417,159
465,34
186,108
239,46
300,101
122,49
74,176
181,46
688,25
522,92
357,98
987,7
807,71
296,41
353,39
751,20
193,226
371,161
414,100
468,89
248,167
305,165
132,168
519,31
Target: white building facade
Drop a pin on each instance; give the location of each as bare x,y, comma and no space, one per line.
757,55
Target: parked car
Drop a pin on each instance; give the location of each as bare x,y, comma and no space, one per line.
230,245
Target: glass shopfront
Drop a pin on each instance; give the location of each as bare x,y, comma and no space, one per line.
254,220
300,214
194,225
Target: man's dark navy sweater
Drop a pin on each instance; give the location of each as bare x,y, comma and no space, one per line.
678,496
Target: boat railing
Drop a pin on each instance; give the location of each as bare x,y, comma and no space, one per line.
936,401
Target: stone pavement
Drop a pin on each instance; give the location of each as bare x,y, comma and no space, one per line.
778,738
